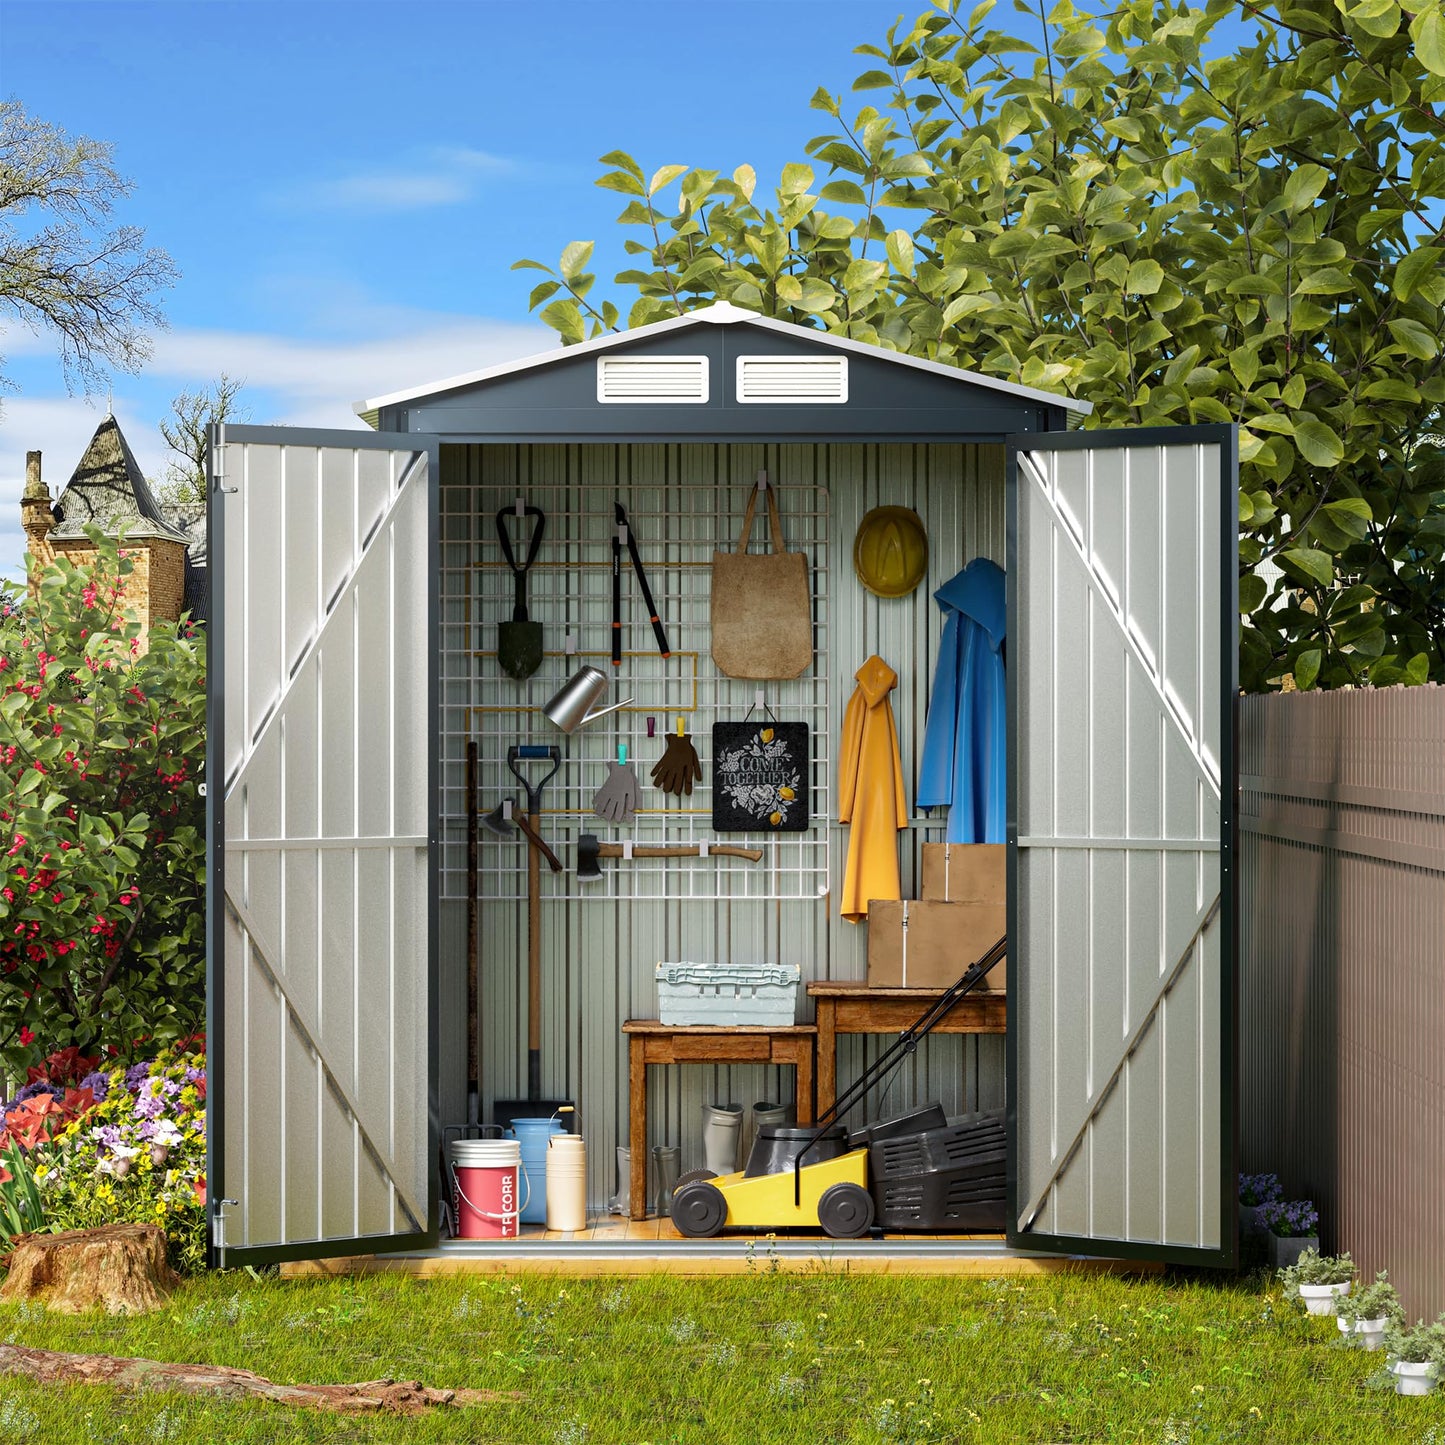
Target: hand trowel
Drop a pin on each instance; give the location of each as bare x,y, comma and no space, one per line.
519,642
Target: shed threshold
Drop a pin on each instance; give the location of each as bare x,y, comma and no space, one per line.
968,1255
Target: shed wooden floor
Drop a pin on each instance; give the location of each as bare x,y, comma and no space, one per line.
611,1245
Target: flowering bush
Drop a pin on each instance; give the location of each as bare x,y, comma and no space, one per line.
1259,1189
1290,1217
102,848
137,1155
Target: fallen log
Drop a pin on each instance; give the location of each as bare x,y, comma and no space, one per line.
397,1397
118,1267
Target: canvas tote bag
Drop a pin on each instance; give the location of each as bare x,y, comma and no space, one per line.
762,623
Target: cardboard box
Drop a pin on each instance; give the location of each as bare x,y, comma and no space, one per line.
965,872
923,943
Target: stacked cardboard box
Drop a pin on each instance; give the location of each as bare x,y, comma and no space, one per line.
930,942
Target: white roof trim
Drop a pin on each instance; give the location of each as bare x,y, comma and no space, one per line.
723,313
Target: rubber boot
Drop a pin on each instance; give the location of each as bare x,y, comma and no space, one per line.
722,1137
621,1202
665,1158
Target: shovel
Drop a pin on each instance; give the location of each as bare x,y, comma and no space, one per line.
519,642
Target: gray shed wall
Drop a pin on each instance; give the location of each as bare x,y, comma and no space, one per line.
1342,971
599,950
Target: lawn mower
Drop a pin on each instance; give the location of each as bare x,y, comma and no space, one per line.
915,1171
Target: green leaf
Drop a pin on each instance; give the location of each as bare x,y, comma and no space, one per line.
873,80
1144,277
542,293
846,191
900,252
628,184
1318,444
575,255
1414,338
1417,670
662,176
745,178
1419,265
565,319
1252,591
1316,565
1307,669
1304,186
1427,30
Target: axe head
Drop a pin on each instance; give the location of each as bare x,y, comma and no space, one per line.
499,820
589,868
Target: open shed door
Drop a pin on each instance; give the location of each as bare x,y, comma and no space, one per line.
1123,675
321,807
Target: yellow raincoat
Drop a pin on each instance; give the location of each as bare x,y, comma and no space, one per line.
870,791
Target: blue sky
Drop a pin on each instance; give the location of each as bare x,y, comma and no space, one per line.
345,186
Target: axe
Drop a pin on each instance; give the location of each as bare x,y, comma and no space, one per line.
590,848
500,821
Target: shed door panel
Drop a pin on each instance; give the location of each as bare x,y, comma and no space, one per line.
1122,591
321,898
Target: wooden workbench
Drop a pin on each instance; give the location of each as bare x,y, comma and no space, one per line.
854,1008
650,1042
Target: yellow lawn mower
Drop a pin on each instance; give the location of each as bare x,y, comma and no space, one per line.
917,1171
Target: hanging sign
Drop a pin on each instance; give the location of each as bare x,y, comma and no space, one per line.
760,777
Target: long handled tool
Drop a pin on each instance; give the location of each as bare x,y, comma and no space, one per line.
505,1110
897,1051
519,642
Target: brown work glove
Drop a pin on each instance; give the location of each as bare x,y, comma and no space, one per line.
678,768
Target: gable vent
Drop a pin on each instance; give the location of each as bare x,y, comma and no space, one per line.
652,378
793,378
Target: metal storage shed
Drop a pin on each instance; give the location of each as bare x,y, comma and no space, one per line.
355,591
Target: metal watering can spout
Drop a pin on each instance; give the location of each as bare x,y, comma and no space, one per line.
568,709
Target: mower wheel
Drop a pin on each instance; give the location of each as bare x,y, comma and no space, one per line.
699,1209
845,1211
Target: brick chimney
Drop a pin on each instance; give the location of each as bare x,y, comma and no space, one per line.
36,516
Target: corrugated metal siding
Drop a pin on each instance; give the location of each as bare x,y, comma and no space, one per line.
1116,965
1342,993
599,952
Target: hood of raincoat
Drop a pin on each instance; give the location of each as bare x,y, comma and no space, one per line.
875,680
978,594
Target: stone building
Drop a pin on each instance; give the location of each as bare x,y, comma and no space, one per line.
108,490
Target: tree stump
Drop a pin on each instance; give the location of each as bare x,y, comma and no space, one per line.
120,1268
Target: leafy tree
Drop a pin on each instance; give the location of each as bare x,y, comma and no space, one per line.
102,902
60,269
1096,207
192,412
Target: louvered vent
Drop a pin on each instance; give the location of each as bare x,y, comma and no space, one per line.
793,378
652,378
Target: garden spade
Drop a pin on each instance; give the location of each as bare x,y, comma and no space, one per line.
519,642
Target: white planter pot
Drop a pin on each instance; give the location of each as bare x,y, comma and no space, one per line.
1413,1379
1369,1333
1321,1299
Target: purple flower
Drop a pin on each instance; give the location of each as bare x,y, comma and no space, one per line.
98,1083
40,1086
136,1075
1259,1188
1291,1217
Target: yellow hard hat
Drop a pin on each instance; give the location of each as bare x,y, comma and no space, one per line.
890,552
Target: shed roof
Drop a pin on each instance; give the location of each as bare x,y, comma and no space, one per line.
725,314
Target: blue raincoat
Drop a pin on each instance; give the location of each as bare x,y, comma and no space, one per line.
964,743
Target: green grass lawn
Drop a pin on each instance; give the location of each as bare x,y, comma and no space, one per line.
756,1358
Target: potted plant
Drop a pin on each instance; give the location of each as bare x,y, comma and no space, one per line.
1255,1191
1318,1280
1292,1226
1364,1315
1417,1356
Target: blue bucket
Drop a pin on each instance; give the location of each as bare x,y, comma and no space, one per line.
532,1135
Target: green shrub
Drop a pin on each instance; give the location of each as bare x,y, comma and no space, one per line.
102,888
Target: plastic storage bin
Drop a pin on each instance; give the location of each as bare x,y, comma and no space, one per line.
765,994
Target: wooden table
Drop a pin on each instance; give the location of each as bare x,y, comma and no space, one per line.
854,1008
650,1042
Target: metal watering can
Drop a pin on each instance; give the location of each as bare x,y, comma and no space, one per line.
568,709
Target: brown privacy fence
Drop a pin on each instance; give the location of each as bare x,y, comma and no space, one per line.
1342,969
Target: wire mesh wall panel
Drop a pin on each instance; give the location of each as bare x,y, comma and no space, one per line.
1117,984
1342,1000
323,1067
601,943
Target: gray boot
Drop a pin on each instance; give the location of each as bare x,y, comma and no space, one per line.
621,1202
722,1137
666,1157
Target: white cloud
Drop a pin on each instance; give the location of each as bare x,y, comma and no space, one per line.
442,176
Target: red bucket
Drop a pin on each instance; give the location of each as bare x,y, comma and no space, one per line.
488,1192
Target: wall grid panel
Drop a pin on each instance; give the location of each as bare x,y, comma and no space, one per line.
1342,1000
